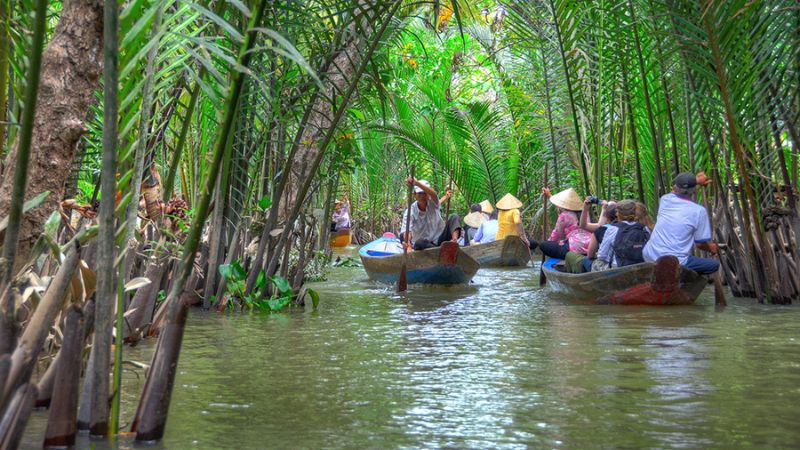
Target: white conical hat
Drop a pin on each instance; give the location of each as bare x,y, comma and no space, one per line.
509,202
567,199
474,219
486,206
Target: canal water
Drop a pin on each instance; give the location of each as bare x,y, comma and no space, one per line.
501,363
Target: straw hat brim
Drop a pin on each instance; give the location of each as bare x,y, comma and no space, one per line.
567,199
474,219
509,202
486,206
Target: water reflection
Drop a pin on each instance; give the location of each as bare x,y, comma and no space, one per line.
497,364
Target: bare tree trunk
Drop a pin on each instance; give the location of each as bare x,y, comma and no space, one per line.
340,75
62,423
70,78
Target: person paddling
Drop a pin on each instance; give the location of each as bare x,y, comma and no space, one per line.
487,232
682,224
567,236
427,228
340,219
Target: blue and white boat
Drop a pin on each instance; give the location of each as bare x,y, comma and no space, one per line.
445,265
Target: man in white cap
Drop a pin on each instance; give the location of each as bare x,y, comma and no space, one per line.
427,229
681,224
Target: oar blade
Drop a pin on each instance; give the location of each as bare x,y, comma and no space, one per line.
719,293
402,282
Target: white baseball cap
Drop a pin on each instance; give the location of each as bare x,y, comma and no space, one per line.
418,189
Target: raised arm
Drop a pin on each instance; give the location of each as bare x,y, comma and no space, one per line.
585,215
447,196
428,190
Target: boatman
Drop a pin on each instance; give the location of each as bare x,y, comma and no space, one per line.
427,229
341,215
681,224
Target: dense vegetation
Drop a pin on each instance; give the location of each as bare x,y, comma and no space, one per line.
202,152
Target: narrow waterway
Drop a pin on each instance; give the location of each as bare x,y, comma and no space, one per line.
498,364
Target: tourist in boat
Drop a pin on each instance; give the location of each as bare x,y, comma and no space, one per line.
682,224
586,219
341,215
473,220
487,232
567,236
643,215
427,229
509,219
624,240
608,216
487,209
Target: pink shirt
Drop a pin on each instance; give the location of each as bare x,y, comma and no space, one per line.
568,227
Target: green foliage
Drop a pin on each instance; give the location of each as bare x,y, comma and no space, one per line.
259,298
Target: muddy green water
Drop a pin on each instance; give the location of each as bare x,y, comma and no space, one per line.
499,364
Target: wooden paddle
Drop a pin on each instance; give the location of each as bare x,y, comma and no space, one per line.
719,293
402,283
447,207
542,277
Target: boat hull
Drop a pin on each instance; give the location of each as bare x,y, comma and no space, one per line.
445,265
661,283
340,238
508,252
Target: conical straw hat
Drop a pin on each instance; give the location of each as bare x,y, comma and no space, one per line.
486,206
567,199
474,219
509,202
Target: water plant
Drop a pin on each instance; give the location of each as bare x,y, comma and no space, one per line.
269,294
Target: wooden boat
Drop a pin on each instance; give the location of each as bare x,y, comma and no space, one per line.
664,282
508,252
340,238
445,265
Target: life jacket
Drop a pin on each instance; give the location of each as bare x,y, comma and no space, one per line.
629,243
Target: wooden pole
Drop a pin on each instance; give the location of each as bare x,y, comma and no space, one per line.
402,284
719,292
449,200
542,277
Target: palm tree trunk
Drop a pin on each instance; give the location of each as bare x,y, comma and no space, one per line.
755,229
634,138
5,50
70,76
106,292
549,110
570,91
659,181
151,414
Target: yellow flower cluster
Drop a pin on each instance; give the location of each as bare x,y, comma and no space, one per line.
407,55
445,12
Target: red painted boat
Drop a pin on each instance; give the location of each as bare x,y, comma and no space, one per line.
664,282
